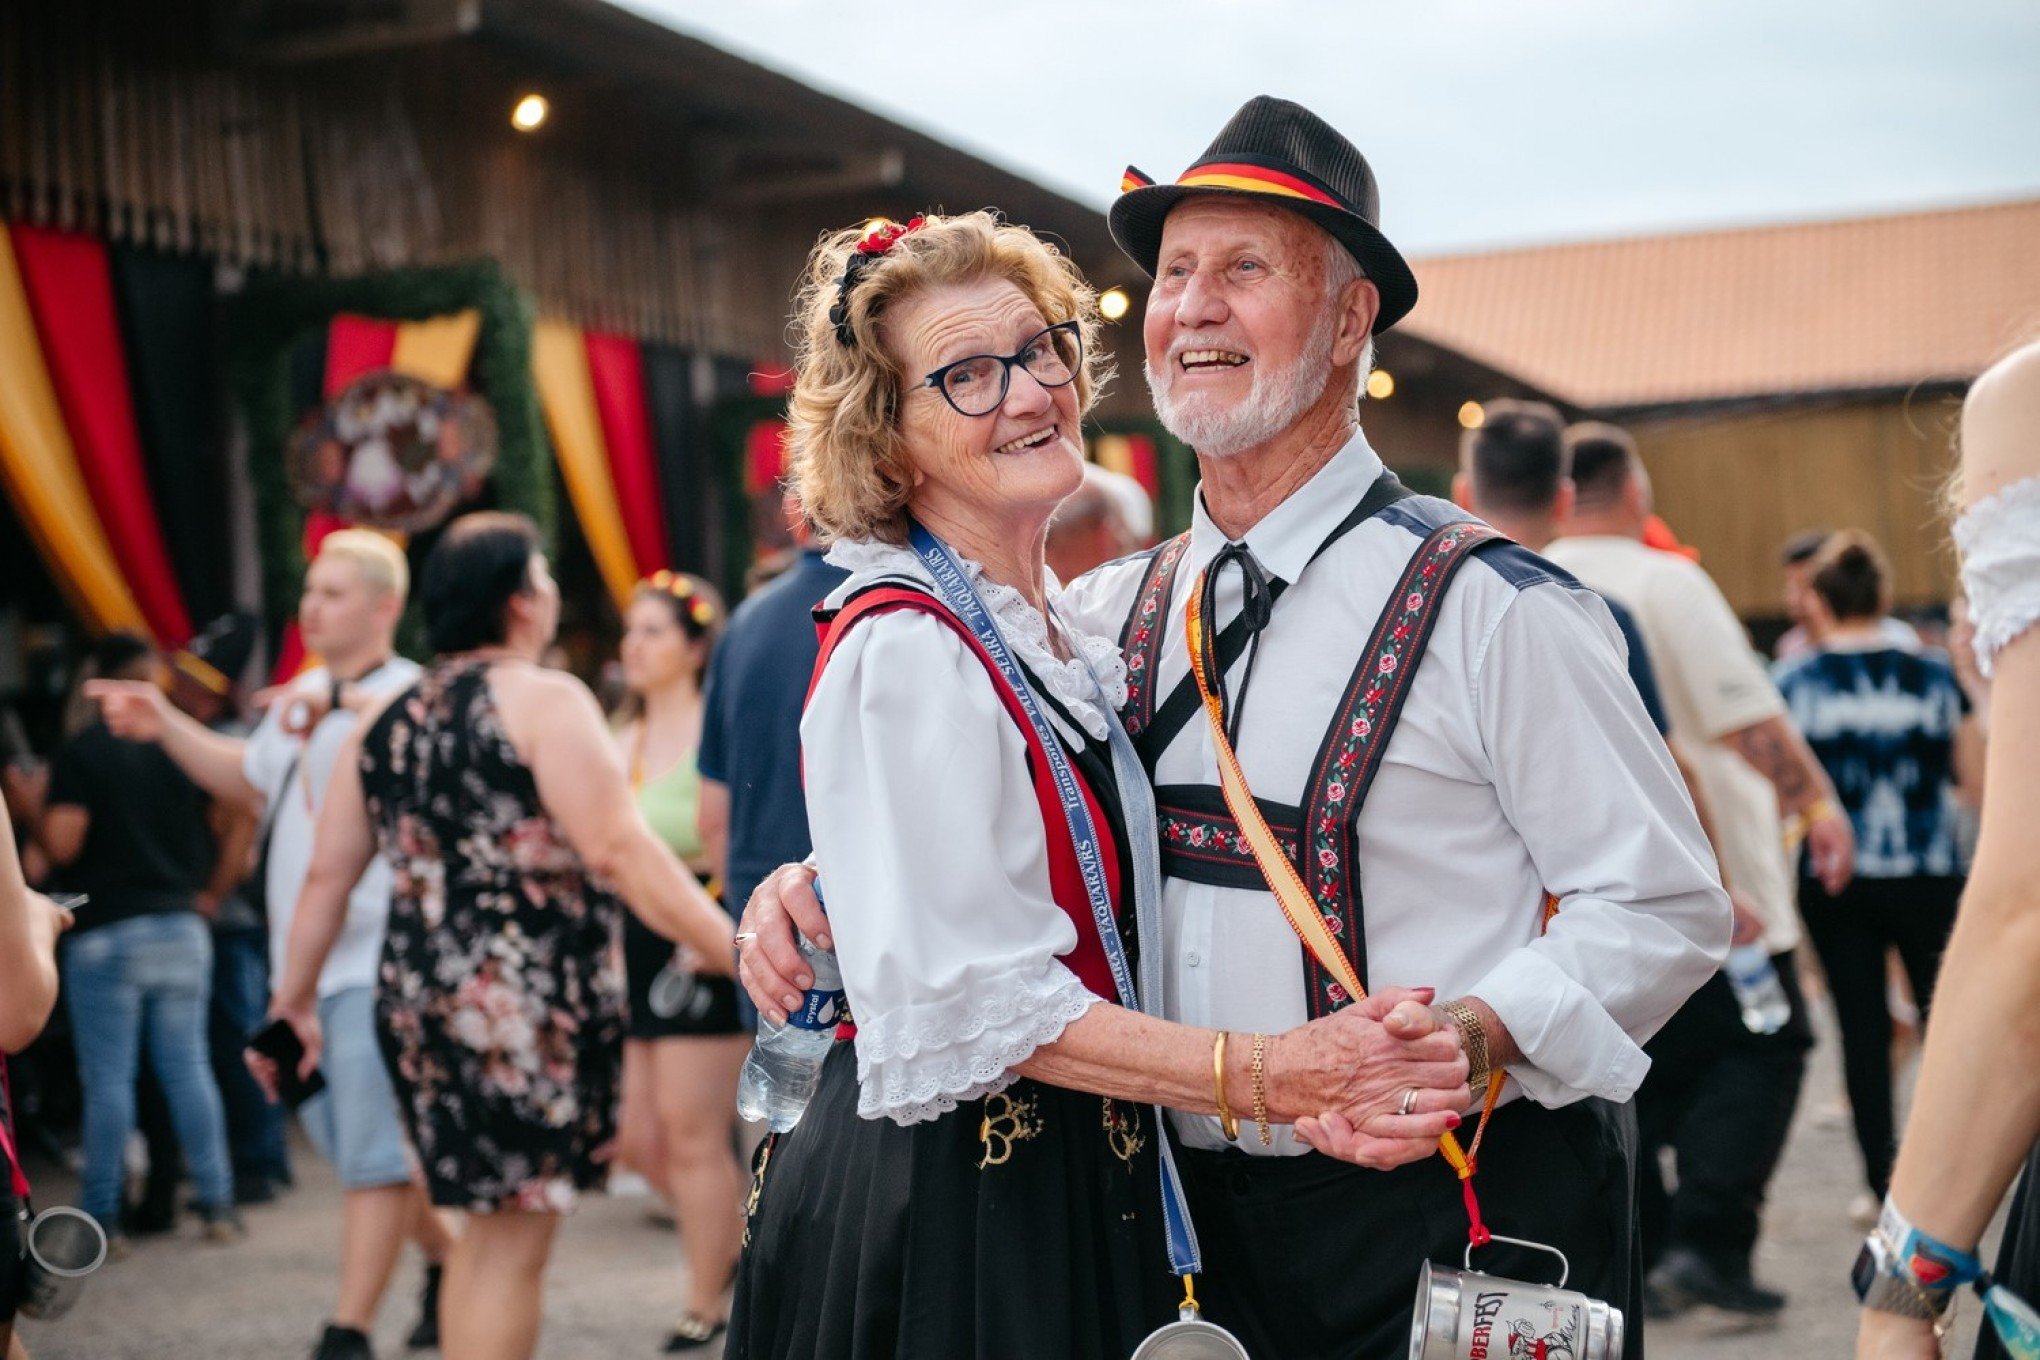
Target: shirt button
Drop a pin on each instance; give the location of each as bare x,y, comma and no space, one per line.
1194,958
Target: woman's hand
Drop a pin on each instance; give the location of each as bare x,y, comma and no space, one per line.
1887,1336
771,967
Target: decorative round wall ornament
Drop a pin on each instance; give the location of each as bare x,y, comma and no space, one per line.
392,452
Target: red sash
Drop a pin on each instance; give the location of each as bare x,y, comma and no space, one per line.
7,1146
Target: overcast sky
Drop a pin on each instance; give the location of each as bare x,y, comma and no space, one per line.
1488,122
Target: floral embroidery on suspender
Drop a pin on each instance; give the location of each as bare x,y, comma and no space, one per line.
1354,743
1141,641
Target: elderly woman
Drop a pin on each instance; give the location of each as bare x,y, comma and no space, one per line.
978,1175
493,790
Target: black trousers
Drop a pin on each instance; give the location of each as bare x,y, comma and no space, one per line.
1852,932
1721,1098
1307,1258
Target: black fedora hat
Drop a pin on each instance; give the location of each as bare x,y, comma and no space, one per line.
1280,153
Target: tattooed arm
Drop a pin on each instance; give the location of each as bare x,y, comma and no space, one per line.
1776,751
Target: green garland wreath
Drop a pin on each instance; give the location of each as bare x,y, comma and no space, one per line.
268,319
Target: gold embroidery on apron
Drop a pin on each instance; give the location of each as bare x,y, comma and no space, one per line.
758,1184
1122,1130
1008,1120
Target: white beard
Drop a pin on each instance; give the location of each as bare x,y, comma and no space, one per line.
1274,402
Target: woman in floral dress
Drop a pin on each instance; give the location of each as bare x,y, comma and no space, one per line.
493,791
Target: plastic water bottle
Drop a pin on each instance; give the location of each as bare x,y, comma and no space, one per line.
1753,979
779,1077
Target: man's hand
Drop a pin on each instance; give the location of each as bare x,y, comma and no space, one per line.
1831,850
1343,1080
770,965
135,710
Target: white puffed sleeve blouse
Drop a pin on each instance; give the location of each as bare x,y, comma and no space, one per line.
2000,541
933,856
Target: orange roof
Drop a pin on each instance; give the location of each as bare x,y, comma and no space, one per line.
1866,303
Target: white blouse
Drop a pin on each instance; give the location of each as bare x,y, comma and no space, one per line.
1999,537
935,859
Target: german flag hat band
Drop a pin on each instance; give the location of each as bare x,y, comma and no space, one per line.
1284,154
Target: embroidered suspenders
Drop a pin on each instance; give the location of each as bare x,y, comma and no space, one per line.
1200,839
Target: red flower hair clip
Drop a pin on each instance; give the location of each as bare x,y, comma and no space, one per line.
876,243
885,234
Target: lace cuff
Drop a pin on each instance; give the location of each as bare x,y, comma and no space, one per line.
917,1062
1999,537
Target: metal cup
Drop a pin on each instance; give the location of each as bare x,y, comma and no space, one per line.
1465,1315
64,1246
1190,1337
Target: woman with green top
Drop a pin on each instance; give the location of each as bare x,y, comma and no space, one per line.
686,1039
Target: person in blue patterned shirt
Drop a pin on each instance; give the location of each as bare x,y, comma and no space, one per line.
1882,719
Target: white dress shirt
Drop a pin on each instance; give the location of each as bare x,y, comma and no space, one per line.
1524,761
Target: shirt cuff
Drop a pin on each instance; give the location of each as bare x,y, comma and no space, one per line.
1572,1048
922,1060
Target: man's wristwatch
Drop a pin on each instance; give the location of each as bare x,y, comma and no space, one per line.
1472,1041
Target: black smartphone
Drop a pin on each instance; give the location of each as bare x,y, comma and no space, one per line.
279,1043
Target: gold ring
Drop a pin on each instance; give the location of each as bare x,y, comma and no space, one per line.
1409,1102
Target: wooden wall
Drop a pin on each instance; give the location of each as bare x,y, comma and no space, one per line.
1737,486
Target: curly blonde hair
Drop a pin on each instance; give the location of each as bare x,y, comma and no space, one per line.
845,455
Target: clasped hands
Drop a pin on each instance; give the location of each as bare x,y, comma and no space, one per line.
1342,1081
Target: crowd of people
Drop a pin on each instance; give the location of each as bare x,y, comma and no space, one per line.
1132,1049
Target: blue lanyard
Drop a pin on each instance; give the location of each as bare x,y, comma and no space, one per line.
962,599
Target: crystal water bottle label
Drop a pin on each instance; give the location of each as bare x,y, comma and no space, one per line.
819,1010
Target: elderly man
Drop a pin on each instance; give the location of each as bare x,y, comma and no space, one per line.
1468,751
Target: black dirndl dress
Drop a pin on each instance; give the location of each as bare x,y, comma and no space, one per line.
1025,1225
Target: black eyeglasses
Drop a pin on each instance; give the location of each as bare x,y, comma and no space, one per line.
976,386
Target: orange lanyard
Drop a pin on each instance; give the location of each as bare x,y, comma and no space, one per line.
1298,907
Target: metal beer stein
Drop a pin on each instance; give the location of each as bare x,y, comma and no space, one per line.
64,1245
1465,1315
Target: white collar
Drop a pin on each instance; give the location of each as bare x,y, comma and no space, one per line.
1020,623
1286,537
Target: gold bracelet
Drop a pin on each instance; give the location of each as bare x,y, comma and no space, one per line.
1821,810
1261,1090
1226,1122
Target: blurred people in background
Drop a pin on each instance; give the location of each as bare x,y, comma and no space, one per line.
1736,1102
1883,720
1091,527
1975,1112
205,684
127,827
753,813
492,788
353,598
685,1039
1796,565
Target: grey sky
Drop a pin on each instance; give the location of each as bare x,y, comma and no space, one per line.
1488,122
